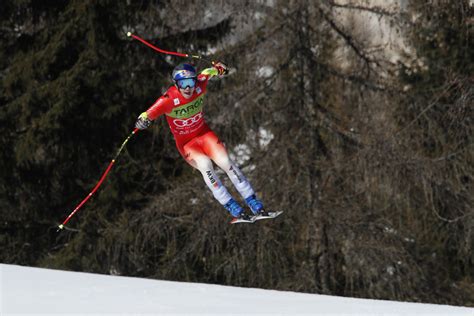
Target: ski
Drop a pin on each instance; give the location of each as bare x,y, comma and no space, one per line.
267,215
241,220
261,216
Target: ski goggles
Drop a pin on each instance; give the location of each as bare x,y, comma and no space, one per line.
184,83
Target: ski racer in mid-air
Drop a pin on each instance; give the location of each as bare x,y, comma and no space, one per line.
182,105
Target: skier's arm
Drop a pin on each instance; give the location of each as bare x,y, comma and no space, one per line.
163,105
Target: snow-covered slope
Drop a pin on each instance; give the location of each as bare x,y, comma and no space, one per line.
33,291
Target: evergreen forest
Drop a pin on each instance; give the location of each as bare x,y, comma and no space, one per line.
354,117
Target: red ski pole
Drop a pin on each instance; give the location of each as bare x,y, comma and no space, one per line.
129,34
104,175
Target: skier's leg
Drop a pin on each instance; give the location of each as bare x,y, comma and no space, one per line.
195,156
198,159
218,153
236,176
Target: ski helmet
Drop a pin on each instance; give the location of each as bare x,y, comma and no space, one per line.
184,71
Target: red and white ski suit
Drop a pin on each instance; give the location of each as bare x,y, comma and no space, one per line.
196,142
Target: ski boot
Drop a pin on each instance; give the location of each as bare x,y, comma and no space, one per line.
256,206
257,209
237,212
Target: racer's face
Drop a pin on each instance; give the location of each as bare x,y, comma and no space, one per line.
186,87
187,92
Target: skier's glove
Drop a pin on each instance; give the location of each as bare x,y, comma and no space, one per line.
143,122
221,68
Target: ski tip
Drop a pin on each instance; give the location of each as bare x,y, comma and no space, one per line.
129,34
60,227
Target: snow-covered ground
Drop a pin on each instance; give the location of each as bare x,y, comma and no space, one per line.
33,291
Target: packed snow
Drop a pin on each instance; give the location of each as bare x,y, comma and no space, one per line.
265,72
241,154
34,291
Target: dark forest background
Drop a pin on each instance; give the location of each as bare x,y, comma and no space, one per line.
370,156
